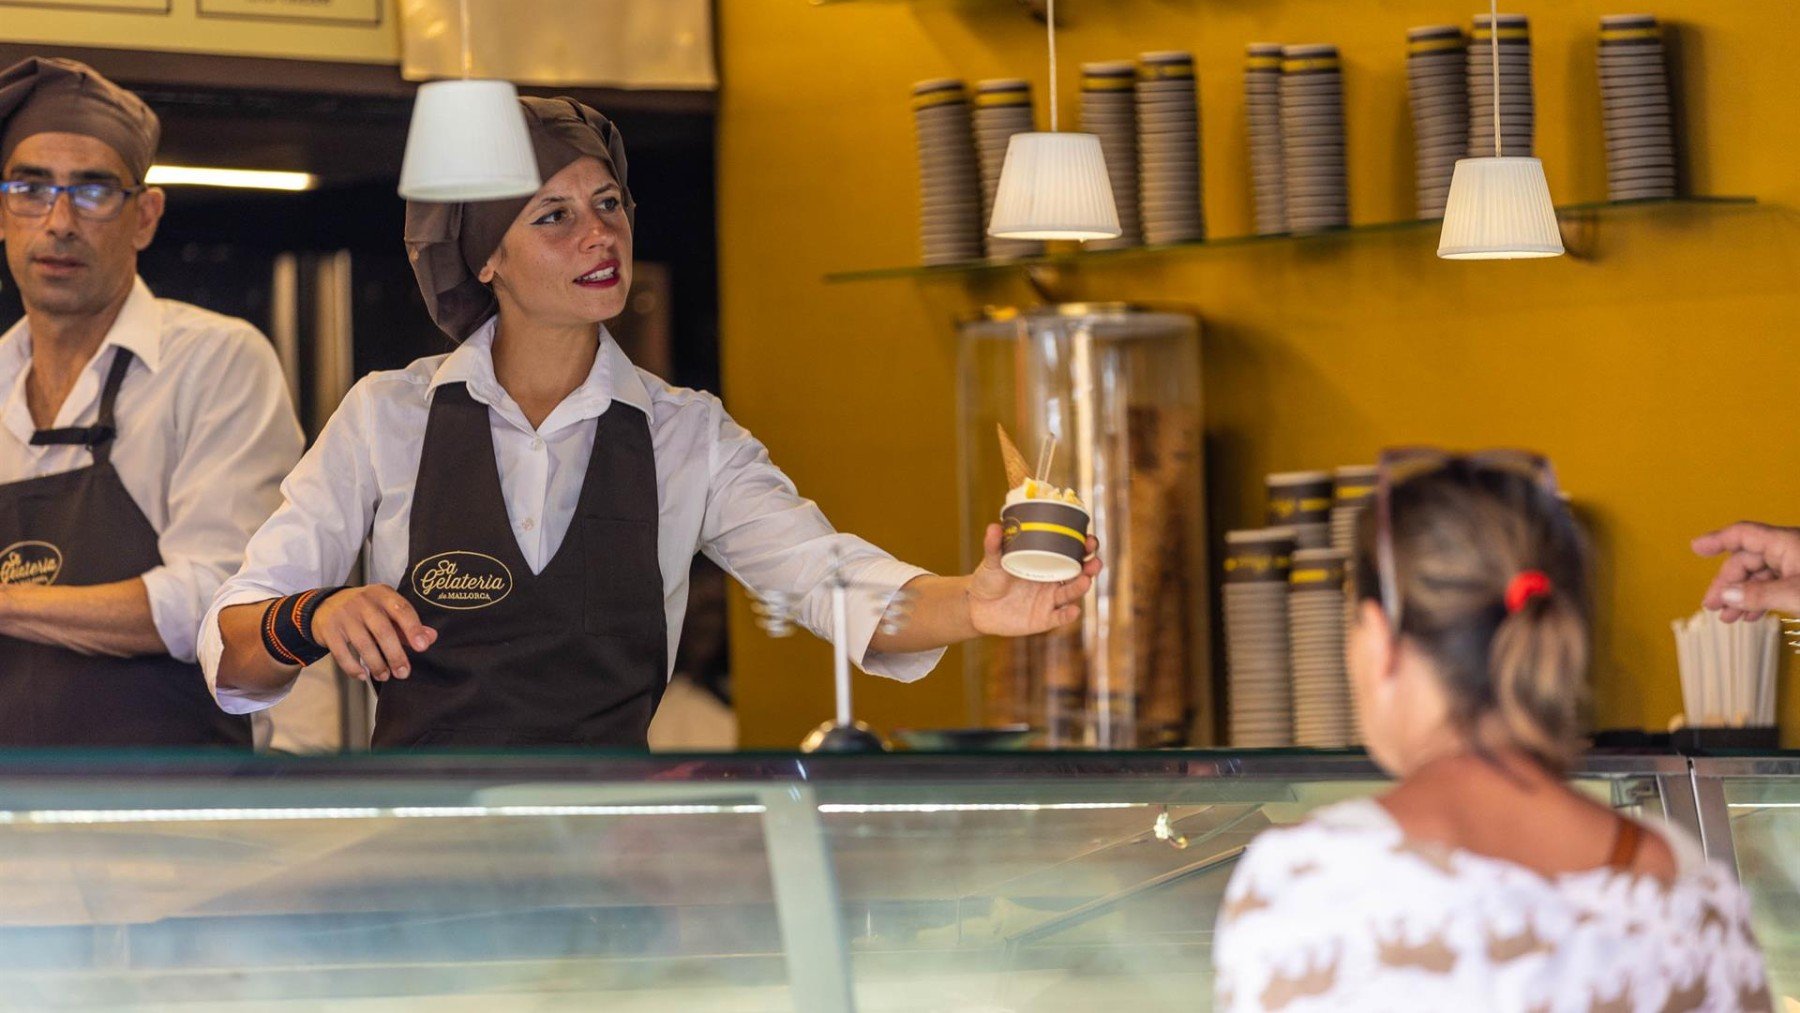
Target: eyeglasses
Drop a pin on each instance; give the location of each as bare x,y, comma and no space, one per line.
94,202
1401,464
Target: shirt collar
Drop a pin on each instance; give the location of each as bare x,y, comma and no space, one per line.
138,329
621,377
15,349
612,378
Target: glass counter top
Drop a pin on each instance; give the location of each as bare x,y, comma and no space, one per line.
736,881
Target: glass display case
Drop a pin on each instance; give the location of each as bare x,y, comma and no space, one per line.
1042,881
1749,811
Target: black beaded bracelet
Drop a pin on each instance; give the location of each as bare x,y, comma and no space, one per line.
287,627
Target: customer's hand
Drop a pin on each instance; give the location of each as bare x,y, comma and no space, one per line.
1761,572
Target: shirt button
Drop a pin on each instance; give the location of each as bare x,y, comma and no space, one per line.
537,443
529,524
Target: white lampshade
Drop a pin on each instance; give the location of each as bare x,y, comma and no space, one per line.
1054,186
1499,209
468,142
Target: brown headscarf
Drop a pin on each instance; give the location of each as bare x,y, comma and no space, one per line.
40,95
449,243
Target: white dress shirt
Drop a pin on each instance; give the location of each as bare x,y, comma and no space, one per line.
206,431
717,492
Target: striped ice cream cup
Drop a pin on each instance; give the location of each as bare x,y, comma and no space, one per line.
1043,540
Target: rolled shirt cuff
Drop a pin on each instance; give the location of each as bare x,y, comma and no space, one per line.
874,585
211,648
173,611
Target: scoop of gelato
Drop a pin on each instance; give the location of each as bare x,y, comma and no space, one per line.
1032,489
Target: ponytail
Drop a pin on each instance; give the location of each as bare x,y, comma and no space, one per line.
1537,664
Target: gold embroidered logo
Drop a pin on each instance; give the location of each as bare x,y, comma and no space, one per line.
30,563
461,580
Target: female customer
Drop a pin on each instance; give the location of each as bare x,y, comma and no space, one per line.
532,502
1481,881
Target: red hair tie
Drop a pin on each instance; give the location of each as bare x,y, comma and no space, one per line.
1524,587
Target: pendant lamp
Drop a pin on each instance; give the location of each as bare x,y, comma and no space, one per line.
468,139
1499,207
1054,185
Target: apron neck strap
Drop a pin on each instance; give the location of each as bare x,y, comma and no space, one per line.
98,438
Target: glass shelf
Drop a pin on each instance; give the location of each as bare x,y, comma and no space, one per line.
1590,210
834,3
1033,7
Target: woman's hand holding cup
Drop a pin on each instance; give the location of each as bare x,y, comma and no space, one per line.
1005,605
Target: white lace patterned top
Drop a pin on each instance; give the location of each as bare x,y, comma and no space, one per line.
1342,912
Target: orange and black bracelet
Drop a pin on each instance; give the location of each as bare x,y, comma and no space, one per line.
287,627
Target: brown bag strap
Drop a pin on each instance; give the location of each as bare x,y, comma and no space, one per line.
1625,844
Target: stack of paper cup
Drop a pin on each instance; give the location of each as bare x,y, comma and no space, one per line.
1168,116
1353,488
1437,88
1634,100
1262,113
950,216
1258,687
1517,112
1109,112
1002,109
1318,625
1312,139
1301,501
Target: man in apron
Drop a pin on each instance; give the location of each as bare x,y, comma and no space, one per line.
142,441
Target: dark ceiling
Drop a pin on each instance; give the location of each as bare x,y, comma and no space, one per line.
347,124
344,122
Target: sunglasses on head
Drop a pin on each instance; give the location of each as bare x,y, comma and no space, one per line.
1401,464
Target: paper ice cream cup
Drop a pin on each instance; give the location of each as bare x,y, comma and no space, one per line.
1043,540
1300,497
1262,555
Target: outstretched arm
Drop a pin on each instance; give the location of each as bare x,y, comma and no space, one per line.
988,602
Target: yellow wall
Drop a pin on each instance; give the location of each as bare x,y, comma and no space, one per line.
1659,373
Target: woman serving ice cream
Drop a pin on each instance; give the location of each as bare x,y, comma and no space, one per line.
532,502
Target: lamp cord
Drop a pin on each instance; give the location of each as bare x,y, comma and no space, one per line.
1494,58
468,54
1050,22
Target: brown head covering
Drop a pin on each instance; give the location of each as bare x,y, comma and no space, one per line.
449,243
40,95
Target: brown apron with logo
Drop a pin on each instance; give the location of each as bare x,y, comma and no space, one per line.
576,655
75,529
